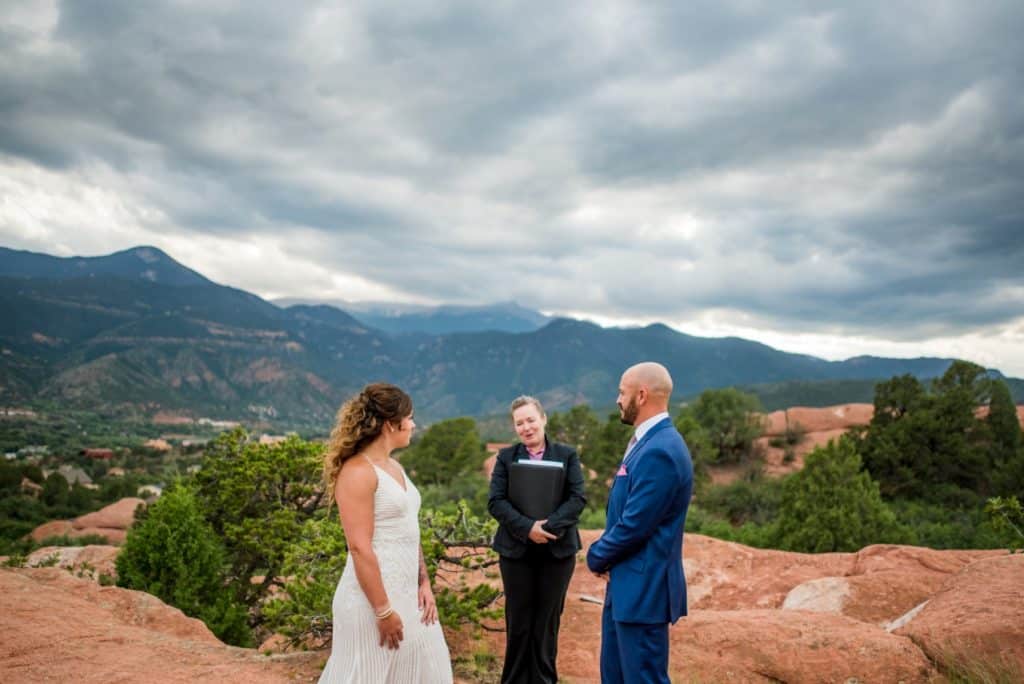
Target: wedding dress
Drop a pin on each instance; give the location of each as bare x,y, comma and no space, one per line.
356,654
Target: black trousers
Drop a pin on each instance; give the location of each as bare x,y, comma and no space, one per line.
535,587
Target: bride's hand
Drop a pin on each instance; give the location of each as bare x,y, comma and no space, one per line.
390,629
428,607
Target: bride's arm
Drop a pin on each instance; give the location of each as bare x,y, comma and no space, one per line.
354,491
428,607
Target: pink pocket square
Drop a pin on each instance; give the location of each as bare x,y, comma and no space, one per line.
622,471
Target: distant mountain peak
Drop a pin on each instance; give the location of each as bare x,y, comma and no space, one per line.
149,254
144,262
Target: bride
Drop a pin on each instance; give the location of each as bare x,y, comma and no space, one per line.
385,619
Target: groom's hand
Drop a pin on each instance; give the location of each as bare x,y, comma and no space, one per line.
538,535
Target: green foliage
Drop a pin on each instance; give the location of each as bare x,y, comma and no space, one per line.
831,505
1007,440
257,498
174,554
968,663
64,540
753,498
702,451
472,489
600,457
455,540
460,540
701,521
731,421
56,490
1007,517
942,526
577,427
929,445
449,450
313,566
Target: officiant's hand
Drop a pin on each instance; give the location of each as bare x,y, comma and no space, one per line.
428,607
538,535
390,629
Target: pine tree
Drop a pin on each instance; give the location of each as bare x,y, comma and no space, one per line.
173,553
832,505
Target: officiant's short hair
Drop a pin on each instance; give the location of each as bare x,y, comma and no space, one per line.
525,400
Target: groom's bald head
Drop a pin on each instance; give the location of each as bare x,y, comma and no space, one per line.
644,391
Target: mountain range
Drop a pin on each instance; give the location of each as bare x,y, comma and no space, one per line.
136,332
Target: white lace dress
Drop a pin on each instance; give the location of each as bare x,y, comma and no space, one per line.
356,654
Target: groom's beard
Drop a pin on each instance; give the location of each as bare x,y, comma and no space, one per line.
627,413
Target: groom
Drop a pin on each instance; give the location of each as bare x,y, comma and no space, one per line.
641,549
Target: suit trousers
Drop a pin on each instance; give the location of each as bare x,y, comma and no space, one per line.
632,653
535,587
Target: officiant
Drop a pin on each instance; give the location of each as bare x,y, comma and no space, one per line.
537,554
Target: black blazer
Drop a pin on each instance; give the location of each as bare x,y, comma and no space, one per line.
513,535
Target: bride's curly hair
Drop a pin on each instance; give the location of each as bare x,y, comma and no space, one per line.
360,420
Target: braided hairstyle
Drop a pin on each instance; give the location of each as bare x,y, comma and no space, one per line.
360,420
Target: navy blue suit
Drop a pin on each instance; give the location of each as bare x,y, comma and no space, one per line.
641,549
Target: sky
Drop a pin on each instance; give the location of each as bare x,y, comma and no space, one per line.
835,179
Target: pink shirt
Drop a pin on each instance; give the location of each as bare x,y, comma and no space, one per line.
535,455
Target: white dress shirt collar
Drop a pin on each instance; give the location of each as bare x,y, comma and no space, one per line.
643,427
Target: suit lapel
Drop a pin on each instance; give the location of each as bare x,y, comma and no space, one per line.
657,427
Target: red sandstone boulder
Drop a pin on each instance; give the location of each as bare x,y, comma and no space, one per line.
841,417
54,528
790,646
113,535
90,561
979,614
883,582
59,628
119,515
111,522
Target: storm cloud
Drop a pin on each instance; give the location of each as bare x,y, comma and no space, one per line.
785,167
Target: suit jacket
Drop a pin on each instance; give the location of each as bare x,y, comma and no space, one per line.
512,537
642,544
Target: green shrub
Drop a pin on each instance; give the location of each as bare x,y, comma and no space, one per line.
832,505
172,553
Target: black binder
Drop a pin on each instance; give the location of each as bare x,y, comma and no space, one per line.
535,487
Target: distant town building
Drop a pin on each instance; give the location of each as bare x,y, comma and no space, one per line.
31,488
74,474
115,471
272,439
98,454
34,450
157,444
7,412
225,424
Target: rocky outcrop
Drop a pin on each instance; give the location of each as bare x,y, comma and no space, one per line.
60,628
978,615
761,615
885,613
91,561
111,522
813,427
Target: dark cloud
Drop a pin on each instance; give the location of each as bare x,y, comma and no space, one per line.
854,169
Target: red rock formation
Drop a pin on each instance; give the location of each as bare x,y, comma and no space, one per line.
59,628
978,614
111,522
90,561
